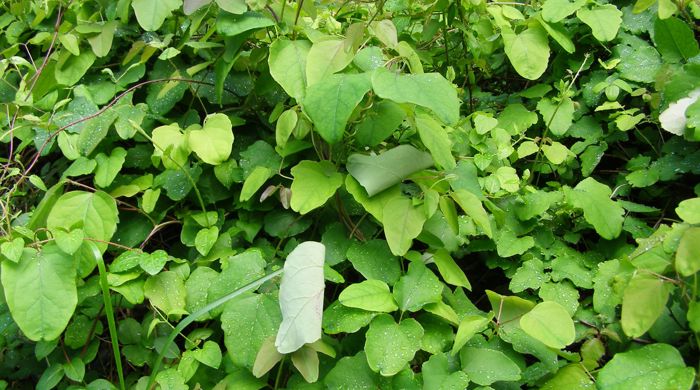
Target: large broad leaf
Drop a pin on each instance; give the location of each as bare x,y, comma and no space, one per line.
247,322
379,122
556,10
402,223
648,368
373,205
527,51
688,252
338,318
599,210
390,346
40,291
472,206
213,142
450,270
377,173
301,297
643,302
674,39
417,288
327,57
371,295
231,24
287,63
430,90
549,323
314,182
93,212
435,138
152,13
438,376
329,104
604,20
486,366
166,291
352,372
374,260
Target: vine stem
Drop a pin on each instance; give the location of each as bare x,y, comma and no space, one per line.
193,317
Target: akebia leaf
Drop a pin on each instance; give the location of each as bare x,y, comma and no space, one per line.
527,51
301,297
435,138
152,13
390,346
40,291
599,210
430,90
402,223
370,295
231,25
214,141
95,213
549,323
643,302
604,20
377,173
314,182
287,63
330,103
326,58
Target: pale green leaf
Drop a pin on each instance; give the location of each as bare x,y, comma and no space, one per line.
371,295
556,153
93,212
599,210
549,323
170,146
166,291
449,269
374,205
468,327
108,167
287,63
152,13
374,260
486,366
213,143
674,39
471,205
301,297
429,90
205,239
650,367
556,10
402,223
40,291
285,126
438,376
558,116
390,346
377,173
252,183
247,322
643,302
231,25
326,58
527,51
233,6
314,183
417,288
102,42
604,20
435,138
329,104
70,69
688,252
689,210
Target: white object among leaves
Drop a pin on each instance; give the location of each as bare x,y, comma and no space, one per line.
673,118
301,297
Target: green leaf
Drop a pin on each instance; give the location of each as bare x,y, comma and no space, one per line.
306,362
70,69
379,122
285,126
468,327
314,183
646,368
643,302
486,366
254,181
689,210
287,63
556,153
152,13
102,42
329,104
438,376
209,354
471,205
374,205
301,297
170,146
75,369
377,173
51,377
69,242
558,116
390,346
352,372
417,288
688,252
228,24
326,58
232,6
338,318
205,239
374,260
108,167
95,213
573,376
257,317
166,291
599,210
429,90
34,285
449,270
402,223
674,40
559,34
604,20
12,250
435,138
371,295
214,141
549,323
556,10
152,263
527,51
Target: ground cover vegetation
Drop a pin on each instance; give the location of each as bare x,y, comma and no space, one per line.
401,194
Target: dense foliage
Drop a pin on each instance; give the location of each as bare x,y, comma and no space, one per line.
399,194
